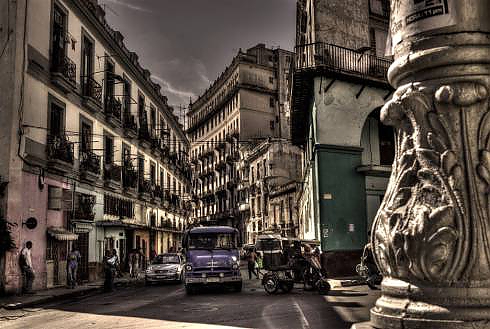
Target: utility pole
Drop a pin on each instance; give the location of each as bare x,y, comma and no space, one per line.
431,236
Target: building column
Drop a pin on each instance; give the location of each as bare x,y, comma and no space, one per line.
431,236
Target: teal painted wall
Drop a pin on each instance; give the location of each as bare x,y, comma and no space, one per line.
341,197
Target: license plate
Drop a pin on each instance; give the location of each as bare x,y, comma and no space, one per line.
213,280
161,276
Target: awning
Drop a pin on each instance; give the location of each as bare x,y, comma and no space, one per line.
62,234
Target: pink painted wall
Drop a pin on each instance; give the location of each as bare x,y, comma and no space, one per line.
26,199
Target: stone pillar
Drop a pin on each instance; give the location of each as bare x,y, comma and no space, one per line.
431,236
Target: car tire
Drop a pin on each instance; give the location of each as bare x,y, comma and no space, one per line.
147,283
270,283
189,290
238,287
181,278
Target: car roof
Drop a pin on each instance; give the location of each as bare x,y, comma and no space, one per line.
213,229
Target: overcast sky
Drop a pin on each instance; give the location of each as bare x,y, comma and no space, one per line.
186,44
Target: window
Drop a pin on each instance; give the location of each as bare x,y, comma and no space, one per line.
56,123
141,168
85,137
271,79
108,149
153,119
152,174
272,102
58,46
87,68
118,207
109,82
127,96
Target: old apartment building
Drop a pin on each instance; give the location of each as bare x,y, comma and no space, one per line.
338,89
92,153
270,174
244,104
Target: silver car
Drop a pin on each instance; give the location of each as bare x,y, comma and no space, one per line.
165,267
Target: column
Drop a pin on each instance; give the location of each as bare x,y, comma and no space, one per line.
431,236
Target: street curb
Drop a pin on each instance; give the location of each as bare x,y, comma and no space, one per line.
47,299
71,294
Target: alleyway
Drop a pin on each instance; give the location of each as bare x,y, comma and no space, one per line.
167,306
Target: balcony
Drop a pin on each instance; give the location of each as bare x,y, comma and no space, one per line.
158,194
63,73
156,144
144,136
144,189
112,176
89,166
92,94
130,126
129,178
60,153
336,59
84,210
113,111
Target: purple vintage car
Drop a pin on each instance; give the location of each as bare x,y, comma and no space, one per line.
212,258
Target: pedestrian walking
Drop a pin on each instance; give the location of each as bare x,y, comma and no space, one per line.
133,264
251,263
72,267
25,262
109,271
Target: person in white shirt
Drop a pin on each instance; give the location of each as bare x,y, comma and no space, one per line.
26,268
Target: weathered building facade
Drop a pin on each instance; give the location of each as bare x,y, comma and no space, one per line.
243,104
91,149
338,88
270,172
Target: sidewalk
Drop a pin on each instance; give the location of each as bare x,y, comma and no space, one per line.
48,295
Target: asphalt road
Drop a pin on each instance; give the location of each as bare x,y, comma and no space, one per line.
167,306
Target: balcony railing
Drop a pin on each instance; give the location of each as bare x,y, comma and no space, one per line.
92,89
144,134
112,172
85,208
65,67
60,148
130,176
130,123
89,161
341,60
144,186
113,108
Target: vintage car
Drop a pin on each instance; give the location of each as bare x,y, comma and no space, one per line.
165,267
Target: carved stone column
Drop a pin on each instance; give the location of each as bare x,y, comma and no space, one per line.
431,236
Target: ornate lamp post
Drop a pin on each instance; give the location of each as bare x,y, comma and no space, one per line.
431,236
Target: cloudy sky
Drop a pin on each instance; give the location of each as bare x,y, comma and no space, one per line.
186,44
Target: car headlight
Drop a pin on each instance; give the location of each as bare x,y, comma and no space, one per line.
234,258
188,268
235,266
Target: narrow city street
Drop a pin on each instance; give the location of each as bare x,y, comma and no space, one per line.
167,306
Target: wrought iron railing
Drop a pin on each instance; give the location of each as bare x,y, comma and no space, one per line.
342,60
66,67
144,134
130,176
60,148
89,161
144,186
92,89
130,122
113,107
112,172
85,208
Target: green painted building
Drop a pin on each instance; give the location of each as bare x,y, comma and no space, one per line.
339,86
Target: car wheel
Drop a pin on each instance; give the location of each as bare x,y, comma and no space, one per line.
323,287
237,287
190,290
270,282
147,283
181,278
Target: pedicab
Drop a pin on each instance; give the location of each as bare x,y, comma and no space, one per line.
284,264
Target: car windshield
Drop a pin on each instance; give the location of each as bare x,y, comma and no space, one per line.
212,241
166,259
